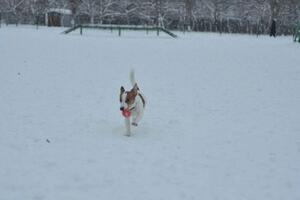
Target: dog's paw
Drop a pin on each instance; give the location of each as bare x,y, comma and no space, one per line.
134,124
128,134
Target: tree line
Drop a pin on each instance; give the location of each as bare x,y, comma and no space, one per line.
231,16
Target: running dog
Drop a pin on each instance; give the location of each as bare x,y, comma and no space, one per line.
132,104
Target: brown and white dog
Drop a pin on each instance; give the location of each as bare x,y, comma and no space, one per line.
134,101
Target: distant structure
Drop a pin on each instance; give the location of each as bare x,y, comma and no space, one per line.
58,17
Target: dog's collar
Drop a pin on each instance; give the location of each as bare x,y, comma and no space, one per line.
131,109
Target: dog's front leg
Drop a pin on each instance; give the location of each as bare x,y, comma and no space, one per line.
128,126
136,119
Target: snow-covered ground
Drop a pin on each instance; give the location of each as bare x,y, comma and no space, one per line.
222,121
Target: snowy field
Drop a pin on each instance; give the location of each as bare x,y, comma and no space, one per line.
222,121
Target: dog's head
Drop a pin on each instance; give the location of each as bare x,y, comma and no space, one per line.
127,98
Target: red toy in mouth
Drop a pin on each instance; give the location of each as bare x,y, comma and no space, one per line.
126,113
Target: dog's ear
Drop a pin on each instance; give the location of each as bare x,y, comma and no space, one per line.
122,90
135,88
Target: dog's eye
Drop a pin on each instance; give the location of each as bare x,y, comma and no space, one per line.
127,101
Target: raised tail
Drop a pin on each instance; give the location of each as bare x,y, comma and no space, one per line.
132,77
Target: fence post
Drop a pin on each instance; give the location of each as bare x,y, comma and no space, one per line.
37,22
80,30
157,33
119,31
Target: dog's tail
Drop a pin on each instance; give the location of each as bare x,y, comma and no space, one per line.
132,77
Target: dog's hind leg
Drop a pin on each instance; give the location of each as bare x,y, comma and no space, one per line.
128,126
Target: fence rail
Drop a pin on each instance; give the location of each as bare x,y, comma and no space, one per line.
119,28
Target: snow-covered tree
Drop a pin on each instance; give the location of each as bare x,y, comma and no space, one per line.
90,8
15,8
247,16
